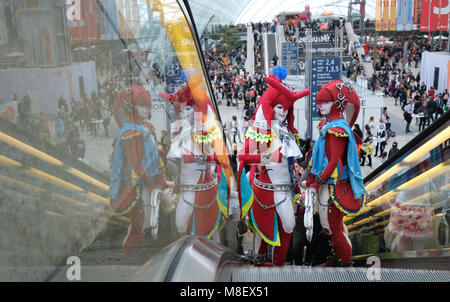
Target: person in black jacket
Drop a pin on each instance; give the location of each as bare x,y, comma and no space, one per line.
430,110
393,150
358,131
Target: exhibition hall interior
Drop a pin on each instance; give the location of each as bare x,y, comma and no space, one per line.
212,141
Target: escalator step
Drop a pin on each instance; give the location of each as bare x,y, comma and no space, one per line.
352,274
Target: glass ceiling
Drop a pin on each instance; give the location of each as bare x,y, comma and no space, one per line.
212,12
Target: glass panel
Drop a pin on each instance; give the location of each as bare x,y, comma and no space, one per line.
407,214
106,127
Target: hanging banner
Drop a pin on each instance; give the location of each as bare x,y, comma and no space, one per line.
434,15
442,10
409,15
401,15
393,17
448,73
416,15
379,15
425,15
386,9
84,30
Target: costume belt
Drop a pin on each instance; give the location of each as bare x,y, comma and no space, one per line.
199,187
201,207
272,187
265,207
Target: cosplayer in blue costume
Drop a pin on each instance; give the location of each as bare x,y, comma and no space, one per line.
334,169
135,172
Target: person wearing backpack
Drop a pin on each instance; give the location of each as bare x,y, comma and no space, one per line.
368,149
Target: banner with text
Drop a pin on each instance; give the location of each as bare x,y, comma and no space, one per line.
434,15
393,17
386,9
379,15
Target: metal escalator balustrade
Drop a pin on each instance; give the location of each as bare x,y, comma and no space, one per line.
408,202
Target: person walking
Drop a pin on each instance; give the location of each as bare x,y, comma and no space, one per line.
235,130
409,109
106,117
381,139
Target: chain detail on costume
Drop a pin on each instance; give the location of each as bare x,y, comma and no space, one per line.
201,207
272,187
199,187
269,207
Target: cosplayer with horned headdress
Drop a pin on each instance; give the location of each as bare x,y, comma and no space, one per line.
136,180
199,151
272,145
334,170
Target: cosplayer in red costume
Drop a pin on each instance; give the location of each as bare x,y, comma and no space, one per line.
271,144
135,171
334,169
203,202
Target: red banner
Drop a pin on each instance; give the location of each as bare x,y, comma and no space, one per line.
434,15
85,30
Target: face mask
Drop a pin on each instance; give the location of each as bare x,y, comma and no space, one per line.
325,108
280,113
143,111
187,113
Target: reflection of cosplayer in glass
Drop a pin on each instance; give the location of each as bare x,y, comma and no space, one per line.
334,169
272,144
203,201
135,171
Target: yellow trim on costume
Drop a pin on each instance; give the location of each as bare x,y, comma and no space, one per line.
248,205
294,198
206,138
222,207
257,136
216,225
335,175
341,208
274,243
134,177
297,139
337,133
126,137
309,164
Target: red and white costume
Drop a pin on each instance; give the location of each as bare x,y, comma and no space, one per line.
197,138
271,145
337,179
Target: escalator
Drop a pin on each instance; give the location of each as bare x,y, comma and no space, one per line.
403,228
55,204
